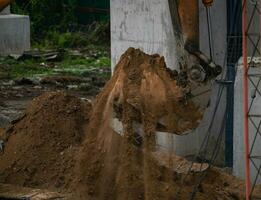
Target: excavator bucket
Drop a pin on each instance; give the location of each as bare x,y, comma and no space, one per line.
193,80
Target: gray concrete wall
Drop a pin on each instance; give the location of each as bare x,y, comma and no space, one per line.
146,24
239,148
14,34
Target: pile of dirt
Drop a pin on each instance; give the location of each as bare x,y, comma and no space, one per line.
62,142
39,148
112,167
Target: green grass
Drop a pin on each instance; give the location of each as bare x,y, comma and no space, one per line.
55,39
28,68
81,66
68,66
93,55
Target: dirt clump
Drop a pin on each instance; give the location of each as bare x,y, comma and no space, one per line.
2,134
62,142
39,150
110,166
60,80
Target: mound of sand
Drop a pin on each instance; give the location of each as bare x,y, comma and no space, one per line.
65,143
41,146
112,167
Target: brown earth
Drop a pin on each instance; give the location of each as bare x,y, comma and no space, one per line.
40,148
64,143
2,134
143,89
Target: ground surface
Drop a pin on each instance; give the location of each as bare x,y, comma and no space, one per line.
64,143
18,87
80,73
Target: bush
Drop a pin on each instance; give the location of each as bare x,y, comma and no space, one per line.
46,15
54,24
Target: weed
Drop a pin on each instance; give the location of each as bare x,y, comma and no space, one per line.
70,66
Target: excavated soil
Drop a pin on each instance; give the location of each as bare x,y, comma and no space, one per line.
40,147
63,142
113,167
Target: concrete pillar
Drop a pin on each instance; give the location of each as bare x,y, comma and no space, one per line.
239,148
144,24
14,34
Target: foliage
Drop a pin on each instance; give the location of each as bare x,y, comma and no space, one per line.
48,14
70,65
97,34
27,68
54,26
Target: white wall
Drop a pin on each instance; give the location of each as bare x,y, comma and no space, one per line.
144,24
239,148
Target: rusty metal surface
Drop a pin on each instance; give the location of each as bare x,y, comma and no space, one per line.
4,4
189,19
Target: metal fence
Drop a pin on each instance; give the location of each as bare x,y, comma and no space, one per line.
252,79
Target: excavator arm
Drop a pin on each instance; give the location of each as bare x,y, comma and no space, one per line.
185,21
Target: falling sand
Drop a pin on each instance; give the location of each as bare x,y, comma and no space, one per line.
111,166
64,143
